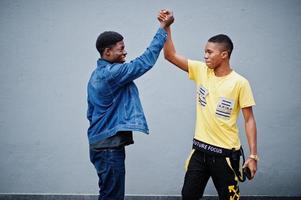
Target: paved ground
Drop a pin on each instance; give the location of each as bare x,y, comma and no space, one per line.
94,197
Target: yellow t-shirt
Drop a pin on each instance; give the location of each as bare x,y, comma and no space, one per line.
219,100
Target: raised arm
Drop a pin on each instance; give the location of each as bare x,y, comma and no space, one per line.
251,132
122,73
170,53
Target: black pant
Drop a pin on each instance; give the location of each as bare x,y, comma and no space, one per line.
201,167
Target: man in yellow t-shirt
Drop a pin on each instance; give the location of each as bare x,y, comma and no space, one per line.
220,95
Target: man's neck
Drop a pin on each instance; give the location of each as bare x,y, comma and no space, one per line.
223,70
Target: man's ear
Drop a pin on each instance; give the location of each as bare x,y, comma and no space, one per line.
107,52
225,54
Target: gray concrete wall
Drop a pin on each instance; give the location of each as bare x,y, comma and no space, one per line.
47,55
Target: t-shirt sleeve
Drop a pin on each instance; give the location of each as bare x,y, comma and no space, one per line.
194,68
246,98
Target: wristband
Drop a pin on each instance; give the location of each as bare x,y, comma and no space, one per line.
254,157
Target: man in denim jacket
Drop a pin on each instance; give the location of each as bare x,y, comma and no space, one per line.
114,108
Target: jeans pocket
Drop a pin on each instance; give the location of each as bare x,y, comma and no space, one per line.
116,157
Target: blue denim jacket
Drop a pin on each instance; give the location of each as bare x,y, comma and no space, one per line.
113,99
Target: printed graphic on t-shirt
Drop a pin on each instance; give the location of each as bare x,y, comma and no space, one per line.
202,93
224,108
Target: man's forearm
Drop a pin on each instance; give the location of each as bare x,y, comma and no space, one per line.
251,133
152,52
171,55
126,72
169,48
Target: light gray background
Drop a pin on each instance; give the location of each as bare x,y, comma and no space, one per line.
47,55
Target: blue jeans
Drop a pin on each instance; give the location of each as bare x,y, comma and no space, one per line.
110,167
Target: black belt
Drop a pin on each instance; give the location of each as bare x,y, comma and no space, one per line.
214,150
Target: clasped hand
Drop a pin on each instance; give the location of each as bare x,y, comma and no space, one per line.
165,18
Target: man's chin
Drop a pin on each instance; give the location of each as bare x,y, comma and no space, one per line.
209,65
121,61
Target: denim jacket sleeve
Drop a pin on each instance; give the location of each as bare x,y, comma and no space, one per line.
127,72
90,111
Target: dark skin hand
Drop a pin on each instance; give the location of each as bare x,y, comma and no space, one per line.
167,19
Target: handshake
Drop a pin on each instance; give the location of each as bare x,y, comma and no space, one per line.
165,18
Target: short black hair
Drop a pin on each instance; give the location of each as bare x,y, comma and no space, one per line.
106,40
224,40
